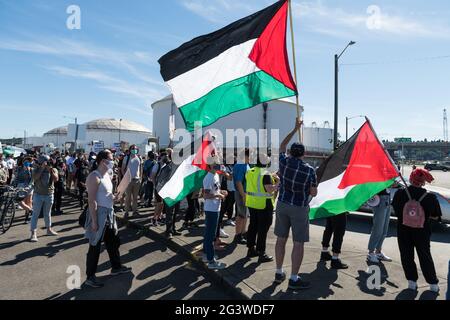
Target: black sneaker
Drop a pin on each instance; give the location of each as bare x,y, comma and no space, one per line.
280,277
121,270
265,258
240,239
93,283
325,256
252,253
337,264
169,235
176,233
299,284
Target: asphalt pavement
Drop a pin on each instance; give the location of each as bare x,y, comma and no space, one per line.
43,270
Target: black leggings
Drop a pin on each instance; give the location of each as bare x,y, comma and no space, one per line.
112,244
335,227
193,206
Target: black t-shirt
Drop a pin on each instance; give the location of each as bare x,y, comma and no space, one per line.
430,203
82,174
267,180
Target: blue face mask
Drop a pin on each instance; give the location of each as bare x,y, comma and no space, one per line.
134,151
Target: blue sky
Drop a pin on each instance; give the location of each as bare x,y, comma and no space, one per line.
397,74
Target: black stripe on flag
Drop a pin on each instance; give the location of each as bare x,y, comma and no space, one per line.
202,49
338,162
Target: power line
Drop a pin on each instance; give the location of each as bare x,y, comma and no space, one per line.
402,61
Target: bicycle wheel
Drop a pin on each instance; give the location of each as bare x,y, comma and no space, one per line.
8,216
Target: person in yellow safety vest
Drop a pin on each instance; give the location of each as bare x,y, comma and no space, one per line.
261,192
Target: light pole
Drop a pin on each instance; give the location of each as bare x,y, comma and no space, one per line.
120,130
76,131
336,93
346,124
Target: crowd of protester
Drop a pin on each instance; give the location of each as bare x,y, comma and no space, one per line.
238,195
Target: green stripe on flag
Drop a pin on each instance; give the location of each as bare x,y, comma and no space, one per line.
356,197
191,183
234,96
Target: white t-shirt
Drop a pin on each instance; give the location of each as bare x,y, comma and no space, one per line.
11,164
212,183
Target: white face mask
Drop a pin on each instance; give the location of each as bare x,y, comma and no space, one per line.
109,165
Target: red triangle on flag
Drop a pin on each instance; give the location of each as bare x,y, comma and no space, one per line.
369,161
269,52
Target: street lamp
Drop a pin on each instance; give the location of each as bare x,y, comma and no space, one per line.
346,124
120,130
76,130
336,94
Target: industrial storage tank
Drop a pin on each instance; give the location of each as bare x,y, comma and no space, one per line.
277,114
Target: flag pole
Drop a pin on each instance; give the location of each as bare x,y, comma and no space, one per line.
295,68
390,158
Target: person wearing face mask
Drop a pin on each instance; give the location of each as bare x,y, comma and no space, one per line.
132,163
44,178
101,224
159,204
3,173
24,181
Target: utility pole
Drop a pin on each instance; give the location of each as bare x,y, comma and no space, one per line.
445,126
336,93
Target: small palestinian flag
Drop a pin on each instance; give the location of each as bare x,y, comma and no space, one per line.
357,171
188,176
233,69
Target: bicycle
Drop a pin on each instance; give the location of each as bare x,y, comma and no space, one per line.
9,197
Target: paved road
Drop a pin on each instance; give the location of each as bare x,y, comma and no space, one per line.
38,271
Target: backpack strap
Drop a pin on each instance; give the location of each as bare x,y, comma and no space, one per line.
423,197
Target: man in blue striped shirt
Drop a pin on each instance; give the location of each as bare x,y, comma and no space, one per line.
298,181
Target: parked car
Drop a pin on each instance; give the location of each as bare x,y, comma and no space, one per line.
443,166
442,194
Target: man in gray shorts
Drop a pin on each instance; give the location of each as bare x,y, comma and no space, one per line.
298,181
239,171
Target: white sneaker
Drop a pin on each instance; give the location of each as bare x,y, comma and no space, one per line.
223,234
412,285
373,258
51,232
34,237
382,257
205,259
216,265
434,288
230,223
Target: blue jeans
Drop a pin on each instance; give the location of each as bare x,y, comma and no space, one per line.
41,202
211,221
381,219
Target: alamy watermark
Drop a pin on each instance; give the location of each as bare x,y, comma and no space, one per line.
374,21
73,22
73,282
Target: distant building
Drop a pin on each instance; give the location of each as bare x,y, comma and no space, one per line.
109,133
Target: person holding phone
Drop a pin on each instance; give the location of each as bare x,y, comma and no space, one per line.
44,178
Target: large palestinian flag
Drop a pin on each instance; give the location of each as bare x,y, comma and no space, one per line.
352,175
188,176
233,69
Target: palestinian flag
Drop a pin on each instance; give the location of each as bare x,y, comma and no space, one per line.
233,69
188,176
357,171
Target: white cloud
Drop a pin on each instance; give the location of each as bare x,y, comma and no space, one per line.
321,18
340,23
110,83
217,11
131,66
